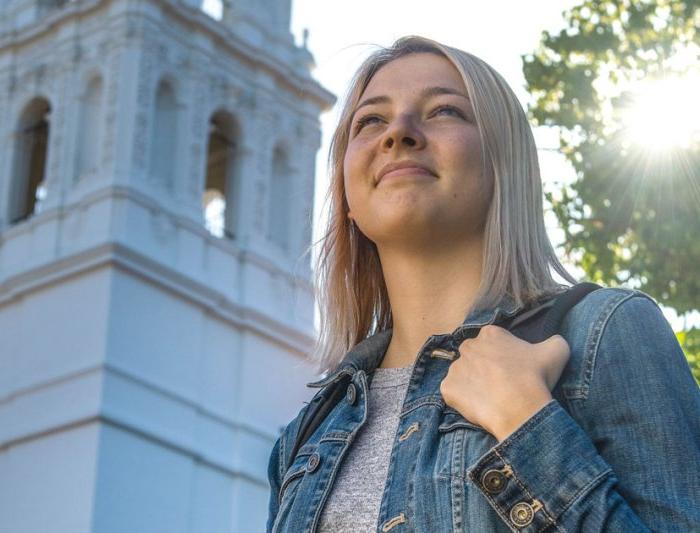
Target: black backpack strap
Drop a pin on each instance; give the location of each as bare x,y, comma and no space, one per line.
534,324
562,305
545,319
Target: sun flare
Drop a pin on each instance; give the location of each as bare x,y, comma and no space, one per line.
665,114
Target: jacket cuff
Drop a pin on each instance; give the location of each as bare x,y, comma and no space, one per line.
535,474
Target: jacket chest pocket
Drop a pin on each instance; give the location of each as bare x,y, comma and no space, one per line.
461,444
306,460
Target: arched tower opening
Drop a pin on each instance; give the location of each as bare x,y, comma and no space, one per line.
221,185
164,136
279,200
29,165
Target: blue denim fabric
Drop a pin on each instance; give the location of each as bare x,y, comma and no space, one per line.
617,449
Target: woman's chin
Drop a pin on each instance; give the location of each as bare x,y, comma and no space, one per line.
389,228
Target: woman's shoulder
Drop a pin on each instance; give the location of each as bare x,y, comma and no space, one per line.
599,308
612,329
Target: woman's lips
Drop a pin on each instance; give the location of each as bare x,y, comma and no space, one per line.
406,171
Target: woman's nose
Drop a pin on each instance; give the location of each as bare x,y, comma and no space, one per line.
404,132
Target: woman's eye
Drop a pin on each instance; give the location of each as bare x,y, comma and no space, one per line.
363,121
440,110
448,110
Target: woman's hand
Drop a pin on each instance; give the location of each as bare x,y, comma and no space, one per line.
499,380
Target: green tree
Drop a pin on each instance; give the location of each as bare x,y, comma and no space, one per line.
632,215
690,341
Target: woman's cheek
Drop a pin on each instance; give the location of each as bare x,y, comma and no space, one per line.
349,163
355,168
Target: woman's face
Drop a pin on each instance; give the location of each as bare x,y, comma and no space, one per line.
415,112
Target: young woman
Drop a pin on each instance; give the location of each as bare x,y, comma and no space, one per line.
451,423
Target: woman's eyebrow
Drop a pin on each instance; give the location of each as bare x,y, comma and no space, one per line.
425,93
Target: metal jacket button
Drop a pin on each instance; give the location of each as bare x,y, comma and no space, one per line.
351,394
312,463
493,481
521,514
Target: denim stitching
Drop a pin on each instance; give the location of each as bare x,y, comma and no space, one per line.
326,483
421,402
285,484
282,455
594,339
338,436
457,488
460,424
547,410
587,488
578,390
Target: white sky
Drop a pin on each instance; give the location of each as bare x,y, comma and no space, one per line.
342,34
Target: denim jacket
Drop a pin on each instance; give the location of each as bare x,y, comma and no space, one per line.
617,448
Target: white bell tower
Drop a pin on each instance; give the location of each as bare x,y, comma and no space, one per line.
156,189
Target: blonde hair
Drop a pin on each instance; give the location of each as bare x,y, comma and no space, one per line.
349,283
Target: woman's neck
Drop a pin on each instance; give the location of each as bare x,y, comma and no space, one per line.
429,293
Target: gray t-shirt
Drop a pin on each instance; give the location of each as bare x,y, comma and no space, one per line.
355,497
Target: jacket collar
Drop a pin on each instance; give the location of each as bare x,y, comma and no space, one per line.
368,353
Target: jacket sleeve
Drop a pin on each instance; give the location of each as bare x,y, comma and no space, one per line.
274,477
277,465
625,456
